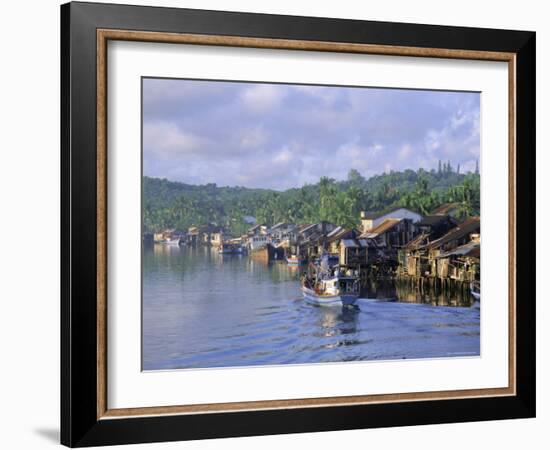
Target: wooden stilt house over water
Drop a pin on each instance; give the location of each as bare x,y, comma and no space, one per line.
436,225
390,236
462,263
310,241
335,237
449,263
204,234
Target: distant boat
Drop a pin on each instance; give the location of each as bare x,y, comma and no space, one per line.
475,290
330,286
294,260
227,248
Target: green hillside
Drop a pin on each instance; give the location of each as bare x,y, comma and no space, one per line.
169,204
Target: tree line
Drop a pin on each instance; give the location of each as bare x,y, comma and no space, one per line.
169,204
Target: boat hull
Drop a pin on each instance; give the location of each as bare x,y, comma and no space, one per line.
267,253
312,297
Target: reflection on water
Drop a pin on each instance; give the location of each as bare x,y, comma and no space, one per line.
202,309
389,289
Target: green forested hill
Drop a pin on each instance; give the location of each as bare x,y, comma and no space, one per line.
169,204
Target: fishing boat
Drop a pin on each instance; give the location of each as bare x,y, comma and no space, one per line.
327,285
475,290
294,260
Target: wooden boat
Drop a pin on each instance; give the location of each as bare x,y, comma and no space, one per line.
228,248
267,253
330,286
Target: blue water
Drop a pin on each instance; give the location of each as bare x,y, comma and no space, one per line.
201,309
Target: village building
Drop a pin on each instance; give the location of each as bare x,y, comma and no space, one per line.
371,220
436,225
357,253
335,237
283,231
424,256
258,230
461,263
391,234
216,238
202,234
310,240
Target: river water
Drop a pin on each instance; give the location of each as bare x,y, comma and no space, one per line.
201,309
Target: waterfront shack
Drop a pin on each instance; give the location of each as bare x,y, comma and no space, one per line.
459,235
216,238
461,263
282,233
391,234
311,240
335,237
436,225
258,230
355,253
447,264
202,234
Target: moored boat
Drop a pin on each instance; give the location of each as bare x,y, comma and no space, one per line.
229,248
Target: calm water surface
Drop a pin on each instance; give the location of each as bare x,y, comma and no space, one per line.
201,309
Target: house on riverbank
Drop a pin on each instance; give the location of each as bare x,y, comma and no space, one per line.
449,263
206,234
371,220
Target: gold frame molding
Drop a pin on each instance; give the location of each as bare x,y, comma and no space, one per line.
103,36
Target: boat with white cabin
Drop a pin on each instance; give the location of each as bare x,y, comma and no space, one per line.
330,286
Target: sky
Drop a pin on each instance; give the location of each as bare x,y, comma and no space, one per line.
279,136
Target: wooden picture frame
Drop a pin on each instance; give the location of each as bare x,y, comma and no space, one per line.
85,416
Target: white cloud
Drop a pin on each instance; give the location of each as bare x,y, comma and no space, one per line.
262,97
253,138
405,152
165,139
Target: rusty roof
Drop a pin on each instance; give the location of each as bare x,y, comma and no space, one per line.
418,241
471,225
471,250
445,208
386,225
342,233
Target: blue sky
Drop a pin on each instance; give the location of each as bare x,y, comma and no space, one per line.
280,136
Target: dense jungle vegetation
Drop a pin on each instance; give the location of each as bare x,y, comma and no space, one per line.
169,204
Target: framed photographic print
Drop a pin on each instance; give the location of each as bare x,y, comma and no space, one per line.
276,224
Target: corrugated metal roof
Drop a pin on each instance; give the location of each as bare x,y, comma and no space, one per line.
363,242
418,241
469,226
335,231
387,225
471,249
349,243
445,208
